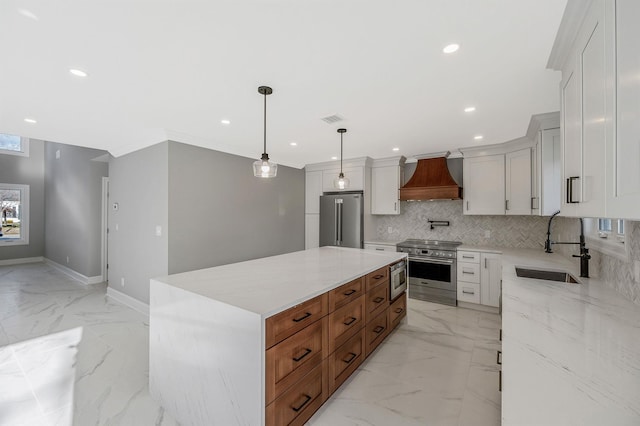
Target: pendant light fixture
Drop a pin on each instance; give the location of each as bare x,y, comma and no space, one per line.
263,168
341,182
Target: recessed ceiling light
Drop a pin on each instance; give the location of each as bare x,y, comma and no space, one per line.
30,120
225,122
78,73
470,109
451,48
334,158
395,149
478,137
28,14
293,143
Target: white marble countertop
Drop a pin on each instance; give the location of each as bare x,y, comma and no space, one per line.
485,249
270,285
571,352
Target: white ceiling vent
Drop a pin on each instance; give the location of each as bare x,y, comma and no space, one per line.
332,119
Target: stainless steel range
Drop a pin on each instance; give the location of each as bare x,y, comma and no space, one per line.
432,270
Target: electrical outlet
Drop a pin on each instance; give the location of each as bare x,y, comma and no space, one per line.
390,230
487,234
57,154
158,231
122,281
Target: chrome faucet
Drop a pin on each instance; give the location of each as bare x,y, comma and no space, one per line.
584,251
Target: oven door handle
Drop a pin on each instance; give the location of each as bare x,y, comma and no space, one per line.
441,261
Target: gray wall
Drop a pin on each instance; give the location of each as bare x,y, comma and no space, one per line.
73,200
138,182
220,213
27,171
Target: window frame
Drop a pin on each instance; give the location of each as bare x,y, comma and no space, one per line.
24,146
611,243
24,216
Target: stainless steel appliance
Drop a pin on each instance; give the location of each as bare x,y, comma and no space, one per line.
432,270
398,281
341,219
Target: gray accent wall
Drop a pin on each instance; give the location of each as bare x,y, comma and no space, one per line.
138,183
220,213
73,203
27,171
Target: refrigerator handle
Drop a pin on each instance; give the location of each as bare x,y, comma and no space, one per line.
335,222
339,224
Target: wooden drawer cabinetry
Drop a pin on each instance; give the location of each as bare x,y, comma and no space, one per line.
345,322
397,310
299,403
284,324
346,293
345,360
313,347
290,360
376,331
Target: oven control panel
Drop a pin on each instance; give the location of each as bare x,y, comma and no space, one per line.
447,254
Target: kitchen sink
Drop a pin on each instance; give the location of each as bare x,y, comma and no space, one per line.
540,274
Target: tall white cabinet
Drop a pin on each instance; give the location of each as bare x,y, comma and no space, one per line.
596,50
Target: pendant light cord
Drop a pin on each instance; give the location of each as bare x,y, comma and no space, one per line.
341,153
265,123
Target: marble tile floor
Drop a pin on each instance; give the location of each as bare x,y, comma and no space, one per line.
71,356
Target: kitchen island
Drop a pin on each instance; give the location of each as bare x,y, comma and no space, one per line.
214,331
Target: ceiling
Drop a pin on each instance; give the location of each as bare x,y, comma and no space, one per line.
171,69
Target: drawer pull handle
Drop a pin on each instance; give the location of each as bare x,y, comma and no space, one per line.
467,257
380,249
377,277
468,292
307,398
307,351
349,292
468,272
378,299
500,380
305,316
350,321
352,356
498,358
398,310
378,329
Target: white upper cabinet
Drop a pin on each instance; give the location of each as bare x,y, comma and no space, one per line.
623,199
518,182
313,191
547,172
386,179
484,185
572,144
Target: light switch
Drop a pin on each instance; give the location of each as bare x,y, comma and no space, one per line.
158,231
57,154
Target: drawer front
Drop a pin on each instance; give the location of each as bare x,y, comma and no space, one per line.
346,293
469,272
284,324
469,256
468,292
398,310
291,359
299,402
376,277
376,331
345,322
377,301
345,360
380,247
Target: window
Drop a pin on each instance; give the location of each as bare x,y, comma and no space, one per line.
607,236
14,214
14,145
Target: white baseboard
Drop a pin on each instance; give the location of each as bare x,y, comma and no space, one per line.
125,299
21,261
73,274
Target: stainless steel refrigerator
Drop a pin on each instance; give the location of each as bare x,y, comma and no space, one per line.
341,220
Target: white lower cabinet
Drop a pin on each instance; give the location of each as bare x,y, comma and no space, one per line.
380,247
479,276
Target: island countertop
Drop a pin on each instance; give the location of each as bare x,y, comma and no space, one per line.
270,285
571,352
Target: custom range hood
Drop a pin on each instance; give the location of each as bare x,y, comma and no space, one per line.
431,181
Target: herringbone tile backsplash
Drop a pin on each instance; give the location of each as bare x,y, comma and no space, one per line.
504,231
511,231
